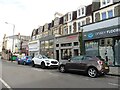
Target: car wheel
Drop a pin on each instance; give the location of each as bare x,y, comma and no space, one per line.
24,63
92,72
43,65
62,68
33,64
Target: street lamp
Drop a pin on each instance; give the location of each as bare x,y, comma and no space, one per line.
13,35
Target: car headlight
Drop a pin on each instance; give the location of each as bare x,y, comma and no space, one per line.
47,60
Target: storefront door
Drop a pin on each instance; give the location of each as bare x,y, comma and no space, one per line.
117,52
106,50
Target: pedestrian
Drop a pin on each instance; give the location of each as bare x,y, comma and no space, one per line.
106,57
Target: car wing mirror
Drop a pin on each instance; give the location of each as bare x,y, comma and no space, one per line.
69,60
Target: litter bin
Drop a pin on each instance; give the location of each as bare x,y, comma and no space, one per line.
13,58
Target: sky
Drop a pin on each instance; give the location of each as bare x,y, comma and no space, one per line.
27,15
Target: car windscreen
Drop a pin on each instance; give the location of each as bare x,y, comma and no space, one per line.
29,57
44,57
99,57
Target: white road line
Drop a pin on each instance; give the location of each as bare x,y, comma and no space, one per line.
53,74
5,84
114,84
37,69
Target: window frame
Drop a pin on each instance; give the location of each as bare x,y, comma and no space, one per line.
109,16
105,17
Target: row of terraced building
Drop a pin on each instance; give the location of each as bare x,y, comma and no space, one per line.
92,30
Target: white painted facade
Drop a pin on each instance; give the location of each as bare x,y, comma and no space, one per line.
34,47
10,44
81,22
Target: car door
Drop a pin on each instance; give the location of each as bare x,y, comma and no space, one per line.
73,63
78,63
40,59
36,59
85,62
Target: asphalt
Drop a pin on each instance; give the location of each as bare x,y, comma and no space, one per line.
20,76
114,71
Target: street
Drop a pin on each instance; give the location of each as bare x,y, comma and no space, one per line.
20,76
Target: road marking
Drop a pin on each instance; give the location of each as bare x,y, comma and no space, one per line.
114,84
5,84
37,69
53,74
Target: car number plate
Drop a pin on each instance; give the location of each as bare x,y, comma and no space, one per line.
106,67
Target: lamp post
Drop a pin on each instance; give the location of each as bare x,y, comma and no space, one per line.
13,35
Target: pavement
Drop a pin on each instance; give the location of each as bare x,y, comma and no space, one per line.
114,71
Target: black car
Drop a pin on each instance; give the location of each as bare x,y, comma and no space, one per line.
92,66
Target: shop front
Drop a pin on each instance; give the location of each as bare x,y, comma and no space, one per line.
67,46
104,42
34,48
47,46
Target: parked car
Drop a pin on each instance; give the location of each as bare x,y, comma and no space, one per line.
92,66
44,61
25,60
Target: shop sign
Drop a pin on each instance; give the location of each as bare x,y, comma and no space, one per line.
72,37
101,33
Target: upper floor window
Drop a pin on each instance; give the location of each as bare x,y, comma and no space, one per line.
110,13
81,12
106,2
70,29
103,2
70,16
104,15
83,22
79,26
97,16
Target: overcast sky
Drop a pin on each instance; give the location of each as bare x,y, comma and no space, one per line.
29,14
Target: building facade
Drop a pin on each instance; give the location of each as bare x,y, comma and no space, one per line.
102,37
93,30
67,46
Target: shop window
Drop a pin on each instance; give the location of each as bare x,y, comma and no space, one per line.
117,51
102,42
51,44
75,43
109,41
66,54
66,44
76,52
91,48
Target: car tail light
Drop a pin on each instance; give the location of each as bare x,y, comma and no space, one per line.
26,58
100,62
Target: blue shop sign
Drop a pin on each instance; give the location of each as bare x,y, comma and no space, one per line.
102,33
90,35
